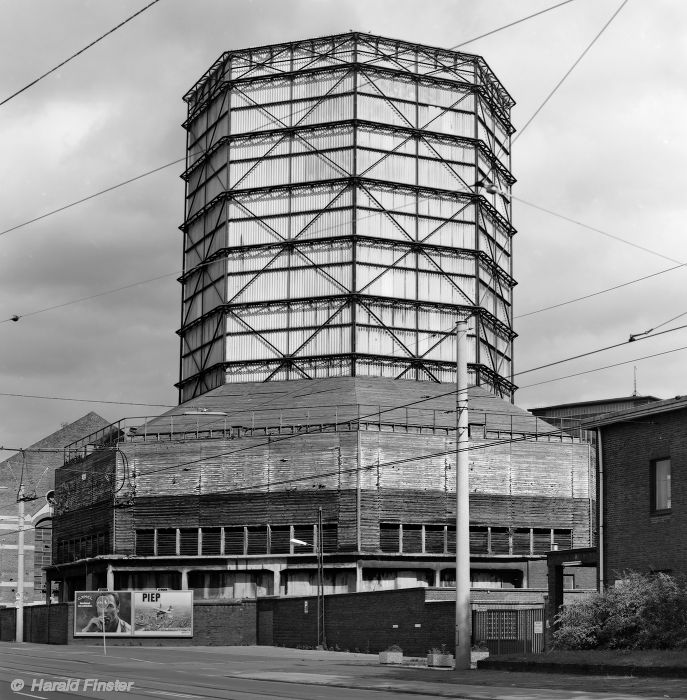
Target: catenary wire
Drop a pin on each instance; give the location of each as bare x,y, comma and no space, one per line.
598,230
511,24
179,160
422,400
517,374
603,291
570,70
394,408
600,369
67,398
78,53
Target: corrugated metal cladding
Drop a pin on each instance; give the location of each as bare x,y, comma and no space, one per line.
333,223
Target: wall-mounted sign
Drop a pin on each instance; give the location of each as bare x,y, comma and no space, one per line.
163,613
98,613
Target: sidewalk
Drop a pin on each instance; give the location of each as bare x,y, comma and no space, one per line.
362,671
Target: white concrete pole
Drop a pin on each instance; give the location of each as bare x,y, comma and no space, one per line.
19,637
463,608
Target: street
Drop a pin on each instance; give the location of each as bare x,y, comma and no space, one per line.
240,673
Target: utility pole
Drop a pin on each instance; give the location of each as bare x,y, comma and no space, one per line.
463,608
321,637
19,636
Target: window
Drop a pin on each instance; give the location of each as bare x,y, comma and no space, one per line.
660,485
389,537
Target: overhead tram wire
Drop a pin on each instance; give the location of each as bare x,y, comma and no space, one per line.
379,213
517,374
375,414
600,369
598,230
16,317
511,24
66,398
567,74
179,160
602,291
375,465
78,53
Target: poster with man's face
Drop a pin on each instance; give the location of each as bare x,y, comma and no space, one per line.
102,613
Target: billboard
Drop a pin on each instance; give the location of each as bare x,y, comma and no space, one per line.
163,613
148,613
102,613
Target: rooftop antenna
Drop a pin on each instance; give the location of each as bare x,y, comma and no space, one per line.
634,393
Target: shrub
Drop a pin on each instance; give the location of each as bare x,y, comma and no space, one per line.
640,612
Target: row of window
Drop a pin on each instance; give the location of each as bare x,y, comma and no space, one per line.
484,539
235,540
81,547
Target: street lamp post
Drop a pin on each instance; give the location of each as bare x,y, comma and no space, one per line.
321,637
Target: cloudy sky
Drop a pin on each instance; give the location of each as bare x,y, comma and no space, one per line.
606,151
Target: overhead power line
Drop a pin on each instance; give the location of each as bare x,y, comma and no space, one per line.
602,291
78,53
67,398
93,196
16,317
598,230
569,71
511,24
600,369
179,160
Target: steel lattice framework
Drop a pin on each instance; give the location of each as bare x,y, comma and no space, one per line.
335,223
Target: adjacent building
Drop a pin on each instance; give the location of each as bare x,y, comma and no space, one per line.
31,474
642,491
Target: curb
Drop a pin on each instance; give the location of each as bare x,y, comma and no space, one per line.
585,669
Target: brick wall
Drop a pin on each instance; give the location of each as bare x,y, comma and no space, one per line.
633,537
214,624
365,622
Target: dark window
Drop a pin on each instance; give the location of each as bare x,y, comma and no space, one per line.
500,540
521,541
211,540
479,539
279,539
257,540
101,543
541,540
389,537
166,542
145,543
660,485
412,538
304,533
330,537
188,541
451,539
234,540
434,539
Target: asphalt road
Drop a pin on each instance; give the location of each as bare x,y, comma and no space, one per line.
254,673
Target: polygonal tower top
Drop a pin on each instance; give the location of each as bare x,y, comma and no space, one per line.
337,221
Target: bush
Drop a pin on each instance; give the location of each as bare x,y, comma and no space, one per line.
640,612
